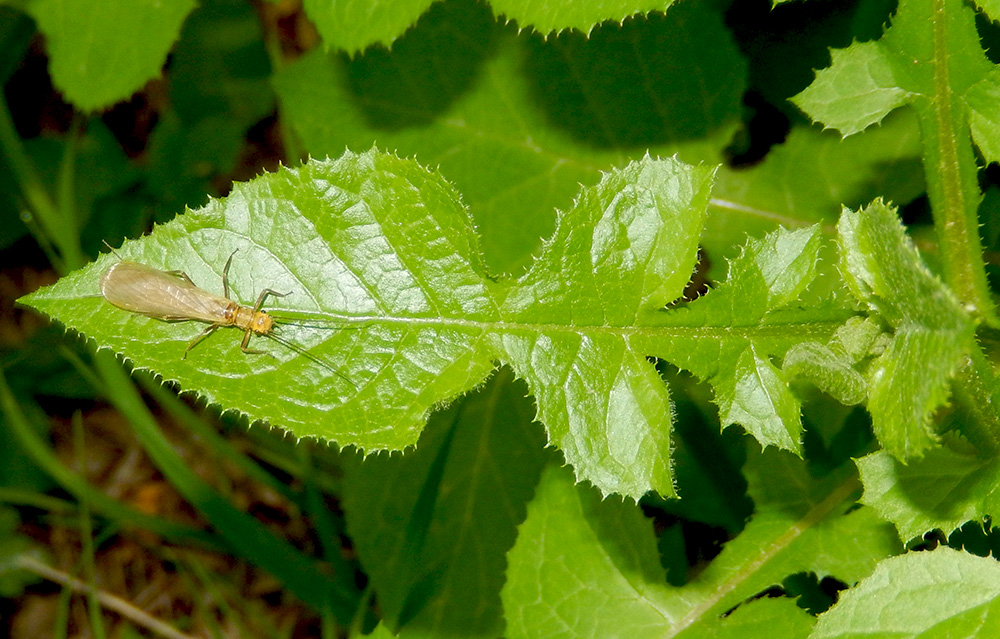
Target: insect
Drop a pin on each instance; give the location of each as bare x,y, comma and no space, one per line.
173,297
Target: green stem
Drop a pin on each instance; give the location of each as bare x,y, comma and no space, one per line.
952,173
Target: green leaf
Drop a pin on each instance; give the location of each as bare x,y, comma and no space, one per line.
583,567
943,490
867,80
386,283
510,119
551,17
857,90
810,177
431,528
759,398
355,25
941,593
909,381
733,332
930,58
831,367
103,51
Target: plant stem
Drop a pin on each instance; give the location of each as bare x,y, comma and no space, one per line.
952,174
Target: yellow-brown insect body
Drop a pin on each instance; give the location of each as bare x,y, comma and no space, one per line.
172,296
249,319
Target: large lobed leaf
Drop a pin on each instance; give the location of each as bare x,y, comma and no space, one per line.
387,285
384,269
510,118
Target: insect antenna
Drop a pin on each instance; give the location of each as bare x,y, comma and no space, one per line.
303,352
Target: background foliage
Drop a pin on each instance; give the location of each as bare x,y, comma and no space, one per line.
613,316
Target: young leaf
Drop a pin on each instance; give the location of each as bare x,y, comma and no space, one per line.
925,45
930,58
104,51
382,266
941,593
570,538
831,367
909,381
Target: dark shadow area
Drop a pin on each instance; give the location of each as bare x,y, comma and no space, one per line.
653,80
429,68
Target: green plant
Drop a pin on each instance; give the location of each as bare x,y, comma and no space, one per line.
825,334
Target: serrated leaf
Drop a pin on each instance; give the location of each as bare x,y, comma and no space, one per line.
857,90
930,58
869,79
757,305
940,593
909,381
553,17
943,490
355,25
431,528
382,261
103,51
758,397
588,568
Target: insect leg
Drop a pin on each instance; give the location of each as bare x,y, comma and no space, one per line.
205,333
225,275
246,341
264,294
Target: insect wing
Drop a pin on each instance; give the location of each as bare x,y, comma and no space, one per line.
148,291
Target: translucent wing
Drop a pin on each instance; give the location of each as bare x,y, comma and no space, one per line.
141,289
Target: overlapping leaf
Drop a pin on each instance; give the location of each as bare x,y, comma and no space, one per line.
942,593
943,490
355,25
510,119
571,538
931,59
431,527
926,46
381,259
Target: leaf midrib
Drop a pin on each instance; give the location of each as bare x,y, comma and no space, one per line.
702,332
